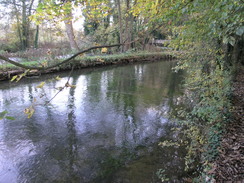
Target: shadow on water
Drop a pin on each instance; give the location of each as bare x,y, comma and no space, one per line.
106,129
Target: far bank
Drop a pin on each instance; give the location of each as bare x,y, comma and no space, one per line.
7,71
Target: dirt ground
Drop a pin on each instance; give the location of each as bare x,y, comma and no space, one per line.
229,167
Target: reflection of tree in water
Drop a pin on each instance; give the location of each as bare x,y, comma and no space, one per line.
160,86
57,154
94,82
175,80
62,156
121,92
153,85
142,164
130,117
169,158
72,137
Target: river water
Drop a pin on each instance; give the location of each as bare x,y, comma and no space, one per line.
106,129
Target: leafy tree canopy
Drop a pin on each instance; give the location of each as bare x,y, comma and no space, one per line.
198,19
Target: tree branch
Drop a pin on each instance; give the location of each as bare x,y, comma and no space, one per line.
61,63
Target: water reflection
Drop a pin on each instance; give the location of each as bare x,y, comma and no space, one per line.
114,117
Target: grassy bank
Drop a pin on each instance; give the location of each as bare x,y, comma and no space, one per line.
83,61
83,58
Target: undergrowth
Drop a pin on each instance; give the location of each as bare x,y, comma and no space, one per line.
207,97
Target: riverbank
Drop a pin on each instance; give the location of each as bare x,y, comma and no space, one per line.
7,71
229,165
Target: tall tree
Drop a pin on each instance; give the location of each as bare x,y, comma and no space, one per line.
22,10
69,27
37,31
128,25
120,25
57,11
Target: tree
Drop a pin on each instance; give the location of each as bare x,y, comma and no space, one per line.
56,11
37,31
120,24
128,25
69,28
191,21
209,34
22,10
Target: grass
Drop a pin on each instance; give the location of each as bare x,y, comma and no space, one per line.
84,58
121,56
6,67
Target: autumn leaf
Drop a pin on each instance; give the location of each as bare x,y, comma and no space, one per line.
41,85
29,111
13,78
44,64
58,78
100,60
20,76
104,50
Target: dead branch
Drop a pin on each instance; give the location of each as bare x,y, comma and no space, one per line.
61,63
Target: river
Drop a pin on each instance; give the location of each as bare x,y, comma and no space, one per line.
106,129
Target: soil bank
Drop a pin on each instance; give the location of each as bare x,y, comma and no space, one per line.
82,63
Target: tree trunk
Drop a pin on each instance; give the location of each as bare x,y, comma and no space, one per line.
229,54
36,37
120,26
127,26
239,51
25,26
19,32
37,27
70,32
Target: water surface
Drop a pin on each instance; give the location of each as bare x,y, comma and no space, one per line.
106,129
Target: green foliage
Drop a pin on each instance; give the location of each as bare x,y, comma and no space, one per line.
3,115
41,85
2,52
223,19
201,34
55,11
208,90
169,144
10,46
5,66
214,136
10,43
161,175
86,60
96,9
